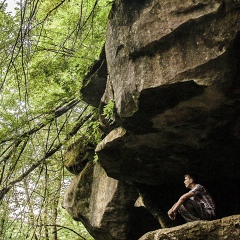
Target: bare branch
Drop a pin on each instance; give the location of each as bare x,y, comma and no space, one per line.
5,190
57,112
63,227
2,4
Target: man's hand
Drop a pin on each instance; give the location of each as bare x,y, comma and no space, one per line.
172,214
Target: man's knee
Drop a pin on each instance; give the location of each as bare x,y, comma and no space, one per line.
182,209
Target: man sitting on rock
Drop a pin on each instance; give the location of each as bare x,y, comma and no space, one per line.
197,204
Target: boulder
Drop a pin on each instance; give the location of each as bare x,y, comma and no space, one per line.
152,44
106,206
94,83
174,76
78,154
225,228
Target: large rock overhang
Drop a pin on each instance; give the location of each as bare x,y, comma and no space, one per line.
174,76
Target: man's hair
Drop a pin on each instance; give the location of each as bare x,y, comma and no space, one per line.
193,176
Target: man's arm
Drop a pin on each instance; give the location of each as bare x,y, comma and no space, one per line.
173,211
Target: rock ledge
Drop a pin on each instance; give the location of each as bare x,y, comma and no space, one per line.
225,228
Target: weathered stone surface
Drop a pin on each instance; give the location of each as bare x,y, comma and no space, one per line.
225,228
106,206
78,155
94,83
174,76
155,43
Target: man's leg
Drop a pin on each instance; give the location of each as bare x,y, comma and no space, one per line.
192,211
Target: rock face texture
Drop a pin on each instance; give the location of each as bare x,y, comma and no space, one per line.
175,78
152,44
106,206
174,75
226,228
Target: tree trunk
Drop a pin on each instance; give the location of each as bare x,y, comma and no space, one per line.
55,204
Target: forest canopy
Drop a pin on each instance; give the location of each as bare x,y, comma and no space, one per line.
46,48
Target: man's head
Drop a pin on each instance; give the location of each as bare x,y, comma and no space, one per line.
190,179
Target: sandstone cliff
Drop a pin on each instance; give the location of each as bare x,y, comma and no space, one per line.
172,69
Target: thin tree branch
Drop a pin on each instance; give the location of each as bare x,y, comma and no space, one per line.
60,226
59,111
2,4
75,129
13,166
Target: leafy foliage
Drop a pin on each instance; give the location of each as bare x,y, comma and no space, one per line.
109,111
46,49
